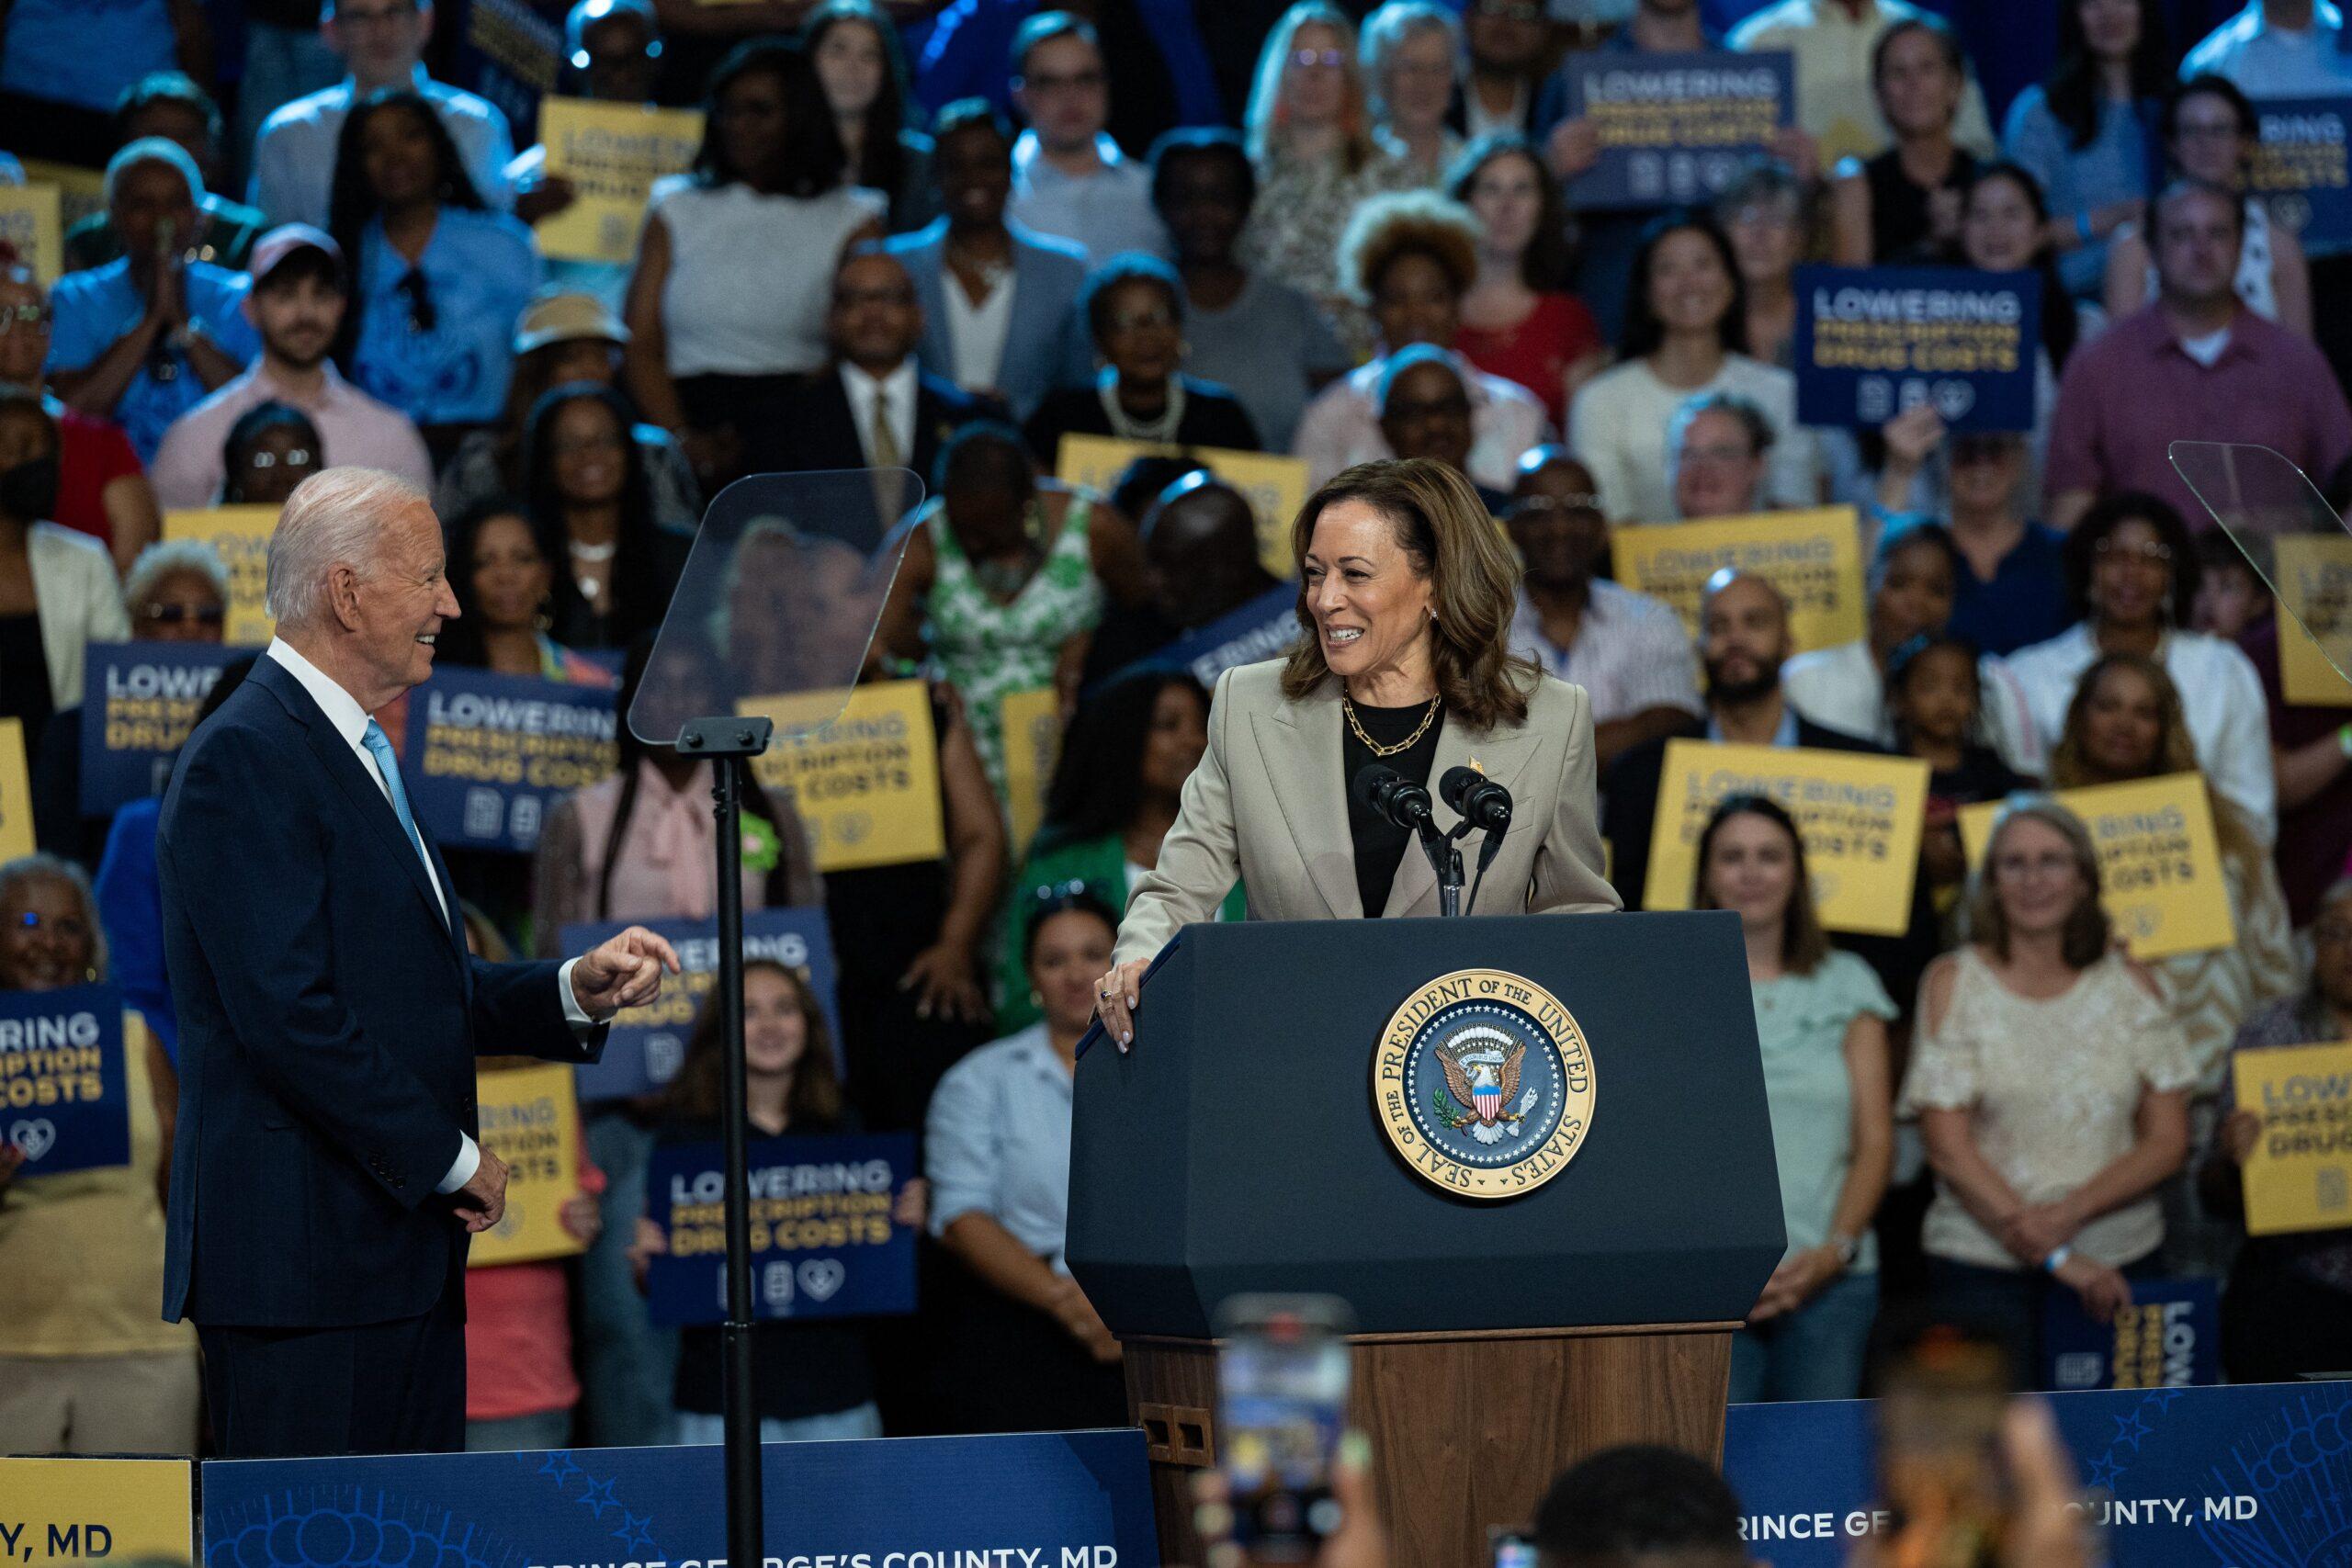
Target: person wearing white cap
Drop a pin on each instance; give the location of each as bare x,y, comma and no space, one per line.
298,295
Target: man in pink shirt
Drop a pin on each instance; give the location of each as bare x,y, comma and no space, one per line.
298,295
2192,364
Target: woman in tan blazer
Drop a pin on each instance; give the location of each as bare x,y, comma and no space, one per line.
1406,593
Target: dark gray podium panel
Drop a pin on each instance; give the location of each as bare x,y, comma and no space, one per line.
1236,1148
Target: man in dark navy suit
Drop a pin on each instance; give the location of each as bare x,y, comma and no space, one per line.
325,1180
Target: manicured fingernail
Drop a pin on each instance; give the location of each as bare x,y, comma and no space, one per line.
1131,999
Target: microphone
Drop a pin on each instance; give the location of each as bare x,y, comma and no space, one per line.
1477,799
1391,796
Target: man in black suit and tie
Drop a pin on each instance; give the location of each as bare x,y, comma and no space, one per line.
873,407
325,1179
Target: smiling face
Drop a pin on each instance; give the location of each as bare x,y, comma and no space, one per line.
776,1032
396,152
1919,91
181,606
1419,81
1938,701
511,576
2123,725
394,612
1141,336
1072,951
1690,291
1767,237
1413,301
1176,741
975,167
1718,472
1913,594
590,453
1428,414
46,942
2131,575
1751,869
2035,877
1743,639
1998,229
1507,194
849,66
1370,604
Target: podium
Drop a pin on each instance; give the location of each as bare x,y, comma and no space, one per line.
1243,1145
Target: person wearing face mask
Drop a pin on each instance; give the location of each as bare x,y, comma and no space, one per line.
1407,592
297,304
2131,568
998,299
1626,649
102,490
58,590
1412,256
144,338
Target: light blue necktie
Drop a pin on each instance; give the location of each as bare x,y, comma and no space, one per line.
379,746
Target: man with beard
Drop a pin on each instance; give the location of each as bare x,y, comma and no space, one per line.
1626,649
296,303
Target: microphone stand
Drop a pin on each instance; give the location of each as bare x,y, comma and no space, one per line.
1445,857
729,742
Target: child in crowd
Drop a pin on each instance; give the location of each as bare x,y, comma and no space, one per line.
1935,700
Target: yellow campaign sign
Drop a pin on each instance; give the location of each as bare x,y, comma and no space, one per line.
1275,485
72,1511
530,1119
2313,574
1813,558
31,219
2160,866
241,535
612,153
1032,743
1861,816
867,783
2299,1176
80,191
16,791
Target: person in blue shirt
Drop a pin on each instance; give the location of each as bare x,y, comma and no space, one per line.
440,280
142,339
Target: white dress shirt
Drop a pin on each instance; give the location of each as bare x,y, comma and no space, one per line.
1107,211
294,156
351,721
897,391
977,333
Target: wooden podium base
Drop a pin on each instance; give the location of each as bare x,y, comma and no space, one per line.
1468,1430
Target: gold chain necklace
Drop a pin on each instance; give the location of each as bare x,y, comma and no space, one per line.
1404,745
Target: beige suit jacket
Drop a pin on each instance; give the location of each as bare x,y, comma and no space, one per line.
1267,806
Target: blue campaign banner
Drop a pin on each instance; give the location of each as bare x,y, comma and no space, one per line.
1872,342
1258,630
648,1044
1674,128
2178,1477
486,755
1029,1500
139,700
2170,1337
64,1089
824,1243
2300,171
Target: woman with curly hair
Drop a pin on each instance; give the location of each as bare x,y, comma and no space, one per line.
1410,257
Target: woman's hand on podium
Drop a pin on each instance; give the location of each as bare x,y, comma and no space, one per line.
1115,999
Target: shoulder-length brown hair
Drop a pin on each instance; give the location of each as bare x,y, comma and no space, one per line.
1443,529
816,1100
1803,944
2086,936
2175,752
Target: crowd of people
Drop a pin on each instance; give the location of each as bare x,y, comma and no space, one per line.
949,241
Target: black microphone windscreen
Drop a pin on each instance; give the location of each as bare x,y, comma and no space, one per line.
1368,789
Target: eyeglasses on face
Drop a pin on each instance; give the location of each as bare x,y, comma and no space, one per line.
1329,59
293,457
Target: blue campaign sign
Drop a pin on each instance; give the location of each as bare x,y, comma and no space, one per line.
648,1044
824,1243
139,700
1674,128
1258,630
1873,342
2301,168
1029,1500
2179,1477
486,755
65,1090
2170,1337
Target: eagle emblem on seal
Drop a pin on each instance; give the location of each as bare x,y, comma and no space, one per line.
1482,1067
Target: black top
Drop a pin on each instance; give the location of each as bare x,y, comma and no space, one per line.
1900,230
816,1368
1380,844
1213,417
24,676
1980,776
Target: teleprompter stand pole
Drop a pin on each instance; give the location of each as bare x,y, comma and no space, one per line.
730,744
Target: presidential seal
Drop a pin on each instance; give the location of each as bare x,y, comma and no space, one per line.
1483,1083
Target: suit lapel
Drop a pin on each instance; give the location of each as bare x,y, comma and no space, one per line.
1300,745
1502,758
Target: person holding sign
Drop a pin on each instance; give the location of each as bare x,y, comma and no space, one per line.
2052,1089
86,1367
1821,1016
814,1379
328,1177
2126,723
2287,1311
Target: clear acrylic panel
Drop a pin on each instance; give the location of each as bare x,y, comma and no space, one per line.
779,601
2283,525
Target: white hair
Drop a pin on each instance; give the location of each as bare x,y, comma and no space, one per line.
195,556
154,150
34,867
334,518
